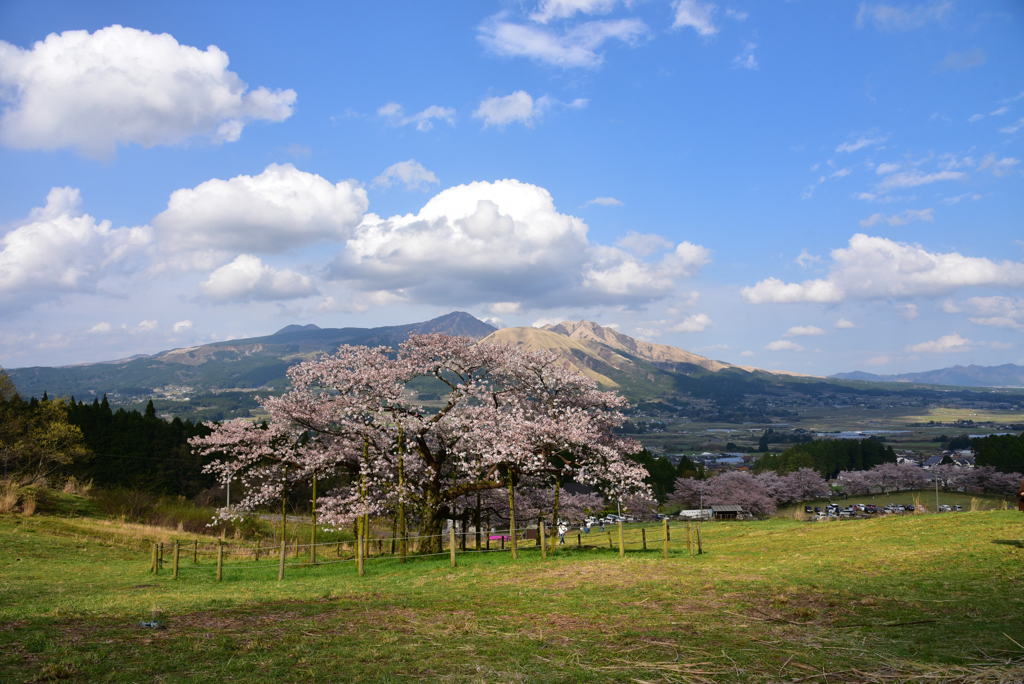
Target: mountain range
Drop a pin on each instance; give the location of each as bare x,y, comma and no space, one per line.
1007,375
228,373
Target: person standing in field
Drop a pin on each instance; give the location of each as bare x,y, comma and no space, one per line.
562,529
1020,497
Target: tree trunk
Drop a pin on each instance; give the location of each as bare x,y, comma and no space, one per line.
476,521
430,528
512,517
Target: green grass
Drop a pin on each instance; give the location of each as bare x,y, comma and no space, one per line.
889,599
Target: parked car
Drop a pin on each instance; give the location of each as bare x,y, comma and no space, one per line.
808,509
957,508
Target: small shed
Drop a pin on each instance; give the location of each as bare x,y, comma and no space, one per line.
726,512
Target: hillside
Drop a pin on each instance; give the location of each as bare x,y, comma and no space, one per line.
1007,375
243,364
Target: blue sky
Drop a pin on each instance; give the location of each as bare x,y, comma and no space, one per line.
817,187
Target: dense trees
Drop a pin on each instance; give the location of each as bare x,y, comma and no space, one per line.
662,474
759,495
60,438
828,457
1005,453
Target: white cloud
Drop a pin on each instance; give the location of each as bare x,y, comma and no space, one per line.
962,61
541,322
120,85
505,307
974,118
696,15
806,258
502,241
784,345
576,47
860,142
519,107
841,173
61,249
643,244
495,321
878,268
890,18
746,353
145,327
279,209
907,311
902,219
1014,127
746,60
886,168
999,167
843,324
945,344
999,312
99,328
804,330
736,14
411,173
606,202
959,198
182,326
563,9
395,115
247,278
999,112
912,179
695,323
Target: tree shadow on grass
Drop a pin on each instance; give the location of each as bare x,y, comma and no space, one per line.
1019,543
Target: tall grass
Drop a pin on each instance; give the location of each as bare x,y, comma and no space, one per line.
10,492
129,505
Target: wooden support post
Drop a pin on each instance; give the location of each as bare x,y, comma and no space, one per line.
152,564
280,567
160,558
359,551
295,547
220,561
579,539
195,552
700,543
176,552
451,542
643,536
622,547
610,545
543,541
665,525
257,550
689,539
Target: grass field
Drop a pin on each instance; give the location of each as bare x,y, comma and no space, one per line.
913,598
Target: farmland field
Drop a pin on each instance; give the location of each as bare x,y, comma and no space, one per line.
936,597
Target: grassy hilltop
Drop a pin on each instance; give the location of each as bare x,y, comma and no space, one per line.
915,598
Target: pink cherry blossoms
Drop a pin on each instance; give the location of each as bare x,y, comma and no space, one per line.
508,416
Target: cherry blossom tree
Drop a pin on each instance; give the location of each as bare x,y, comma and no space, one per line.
507,414
732,487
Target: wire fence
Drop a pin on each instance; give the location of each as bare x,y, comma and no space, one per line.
194,556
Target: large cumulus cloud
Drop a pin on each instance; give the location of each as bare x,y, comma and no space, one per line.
91,92
500,242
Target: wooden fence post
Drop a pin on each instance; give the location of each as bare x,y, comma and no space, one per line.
295,547
665,526
543,541
152,565
579,539
280,567
160,558
610,545
700,544
359,552
643,536
195,552
451,542
689,539
622,548
175,575
220,561
257,550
